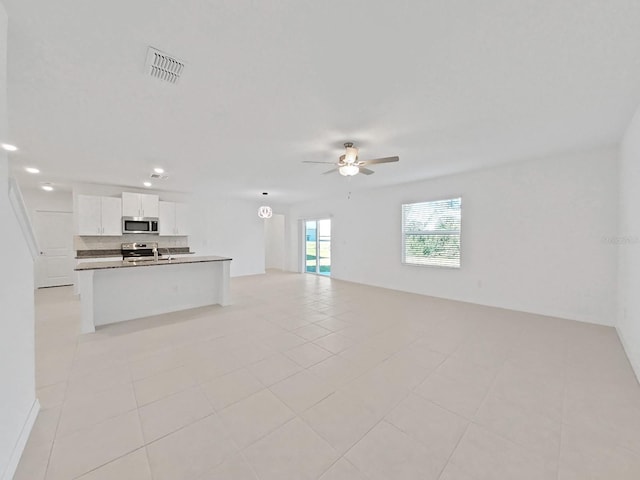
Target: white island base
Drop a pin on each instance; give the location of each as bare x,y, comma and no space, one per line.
113,292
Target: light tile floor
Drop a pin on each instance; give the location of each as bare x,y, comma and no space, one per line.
306,377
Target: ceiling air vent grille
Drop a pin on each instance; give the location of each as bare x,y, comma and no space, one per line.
160,176
163,66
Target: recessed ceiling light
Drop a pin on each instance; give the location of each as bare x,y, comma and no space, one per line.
47,188
158,170
32,169
147,184
9,148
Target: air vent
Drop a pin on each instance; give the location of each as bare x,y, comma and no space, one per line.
163,66
160,176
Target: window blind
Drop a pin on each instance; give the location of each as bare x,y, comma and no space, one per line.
431,233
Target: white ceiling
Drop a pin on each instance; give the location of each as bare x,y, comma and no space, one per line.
448,85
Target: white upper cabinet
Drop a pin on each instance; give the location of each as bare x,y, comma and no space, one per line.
130,205
182,219
99,215
173,219
167,218
89,215
149,205
111,216
139,205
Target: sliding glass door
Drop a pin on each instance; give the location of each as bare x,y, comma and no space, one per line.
318,246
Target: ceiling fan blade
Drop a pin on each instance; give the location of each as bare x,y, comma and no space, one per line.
311,161
380,160
330,171
366,171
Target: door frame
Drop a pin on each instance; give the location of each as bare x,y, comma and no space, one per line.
303,244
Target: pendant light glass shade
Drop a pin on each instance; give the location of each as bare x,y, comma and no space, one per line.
265,212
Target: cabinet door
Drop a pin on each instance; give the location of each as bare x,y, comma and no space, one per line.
167,218
149,205
89,215
182,219
131,205
111,216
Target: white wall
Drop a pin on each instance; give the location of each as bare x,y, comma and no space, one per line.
274,241
36,199
18,404
533,236
116,191
628,242
230,228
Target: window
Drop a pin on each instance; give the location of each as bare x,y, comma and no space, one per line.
431,233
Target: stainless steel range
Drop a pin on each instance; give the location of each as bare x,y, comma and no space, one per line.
139,251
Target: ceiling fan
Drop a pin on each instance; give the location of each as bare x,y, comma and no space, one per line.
349,165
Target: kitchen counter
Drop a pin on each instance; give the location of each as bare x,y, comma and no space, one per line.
115,291
148,262
103,253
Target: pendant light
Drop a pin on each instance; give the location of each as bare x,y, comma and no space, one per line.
265,211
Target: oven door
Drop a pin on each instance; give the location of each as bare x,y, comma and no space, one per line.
139,225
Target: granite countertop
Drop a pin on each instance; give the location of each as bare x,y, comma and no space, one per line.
148,263
80,254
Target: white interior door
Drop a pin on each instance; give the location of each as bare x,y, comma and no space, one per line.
54,231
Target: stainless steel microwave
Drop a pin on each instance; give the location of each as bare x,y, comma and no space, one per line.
140,225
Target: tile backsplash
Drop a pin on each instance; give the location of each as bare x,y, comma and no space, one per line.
110,243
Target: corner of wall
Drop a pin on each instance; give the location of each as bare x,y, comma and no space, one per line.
628,241
14,459
17,359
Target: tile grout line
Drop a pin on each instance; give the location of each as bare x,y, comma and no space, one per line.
382,418
472,420
144,442
64,399
564,407
120,456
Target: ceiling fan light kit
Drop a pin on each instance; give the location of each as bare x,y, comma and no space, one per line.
351,153
348,164
348,170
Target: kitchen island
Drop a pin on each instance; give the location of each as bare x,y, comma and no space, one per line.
115,291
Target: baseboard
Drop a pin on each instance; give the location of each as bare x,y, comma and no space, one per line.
635,364
22,441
